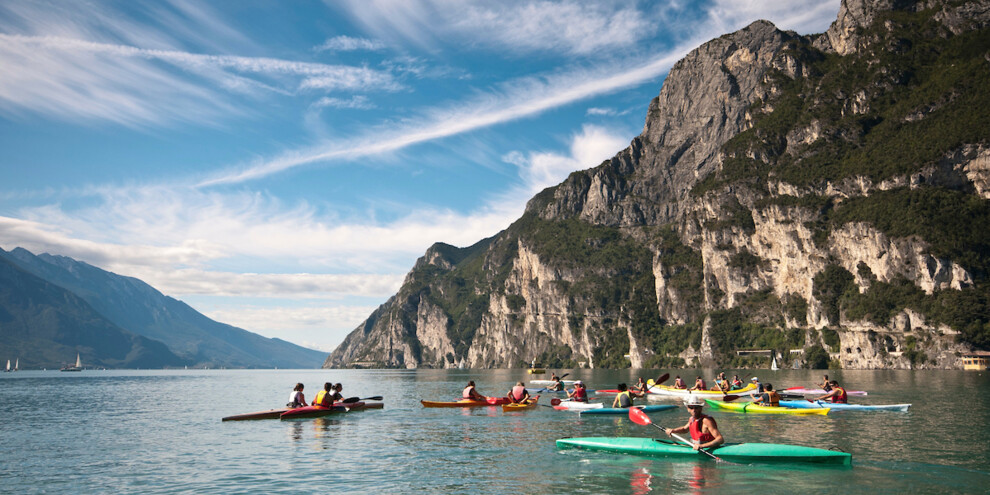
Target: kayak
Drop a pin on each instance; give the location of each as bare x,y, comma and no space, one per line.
521,406
578,406
738,452
365,405
317,411
749,407
492,401
550,382
625,410
680,392
818,391
818,404
269,414
544,390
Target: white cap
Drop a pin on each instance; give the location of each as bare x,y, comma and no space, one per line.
755,379
694,400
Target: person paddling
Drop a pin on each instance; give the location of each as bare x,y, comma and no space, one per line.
699,384
625,397
641,387
679,383
518,394
557,385
324,397
826,385
703,428
837,395
579,394
769,397
470,393
296,398
736,382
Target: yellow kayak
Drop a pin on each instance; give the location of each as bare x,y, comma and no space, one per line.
680,392
521,406
749,407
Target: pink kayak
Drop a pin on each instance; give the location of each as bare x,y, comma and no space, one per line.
818,391
318,411
269,414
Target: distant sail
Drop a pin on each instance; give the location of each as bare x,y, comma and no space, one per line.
773,364
8,365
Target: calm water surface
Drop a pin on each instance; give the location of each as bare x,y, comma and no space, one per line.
160,432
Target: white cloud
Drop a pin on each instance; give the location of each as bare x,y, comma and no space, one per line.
582,28
357,102
589,148
803,16
348,44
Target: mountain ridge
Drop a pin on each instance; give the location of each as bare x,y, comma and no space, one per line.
803,194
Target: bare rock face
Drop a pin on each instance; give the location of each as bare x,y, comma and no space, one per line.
689,273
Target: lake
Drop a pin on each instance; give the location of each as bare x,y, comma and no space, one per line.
160,432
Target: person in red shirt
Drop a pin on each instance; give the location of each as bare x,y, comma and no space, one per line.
703,428
579,394
837,395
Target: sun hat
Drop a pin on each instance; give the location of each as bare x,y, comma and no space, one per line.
754,379
694,400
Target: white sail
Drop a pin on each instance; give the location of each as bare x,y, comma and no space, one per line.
773,364
8,365
78,361
17,364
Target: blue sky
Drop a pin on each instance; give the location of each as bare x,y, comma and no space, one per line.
280,165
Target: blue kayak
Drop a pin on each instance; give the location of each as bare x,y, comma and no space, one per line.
819,404
625,410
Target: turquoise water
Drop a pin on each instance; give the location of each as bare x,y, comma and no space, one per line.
160,432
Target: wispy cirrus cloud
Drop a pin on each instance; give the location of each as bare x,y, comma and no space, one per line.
349,44
575,28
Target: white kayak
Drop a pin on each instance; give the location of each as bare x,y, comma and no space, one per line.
818,404
818,391
548,382
706,394
577,406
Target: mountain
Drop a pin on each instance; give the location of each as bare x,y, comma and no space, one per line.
138,307
45,326
818,197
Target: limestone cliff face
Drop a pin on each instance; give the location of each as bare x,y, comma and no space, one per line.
741,218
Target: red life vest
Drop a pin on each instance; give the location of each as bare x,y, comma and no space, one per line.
840,398
702,385
580,395
467,393
695,428
518,393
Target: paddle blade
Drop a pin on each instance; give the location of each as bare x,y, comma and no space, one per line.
350,400
554,401
639,417
564,376
377,397
664,377
729,398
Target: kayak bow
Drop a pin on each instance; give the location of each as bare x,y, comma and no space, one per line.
739,452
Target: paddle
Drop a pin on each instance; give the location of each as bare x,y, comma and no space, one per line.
639,417
351,400
660,379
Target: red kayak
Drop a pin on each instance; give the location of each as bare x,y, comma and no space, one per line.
319,411
269,414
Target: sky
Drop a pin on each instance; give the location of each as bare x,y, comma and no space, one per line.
281,165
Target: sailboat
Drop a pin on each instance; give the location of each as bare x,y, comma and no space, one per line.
77,367
773,364
17,364
8,366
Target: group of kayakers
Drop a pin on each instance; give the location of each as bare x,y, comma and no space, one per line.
722,383
324,398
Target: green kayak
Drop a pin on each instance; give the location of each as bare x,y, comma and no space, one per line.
736,452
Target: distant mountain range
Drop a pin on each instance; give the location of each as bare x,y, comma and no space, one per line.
52,307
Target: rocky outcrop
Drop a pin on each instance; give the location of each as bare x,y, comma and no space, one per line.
694,242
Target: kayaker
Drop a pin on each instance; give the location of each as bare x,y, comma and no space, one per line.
769,397
518,394
336,396
641,387
557,385
579,394
837,395
324,397
736,382
679,383
470,393
699,384
826,386
759,386
703,429
296,398
625,397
